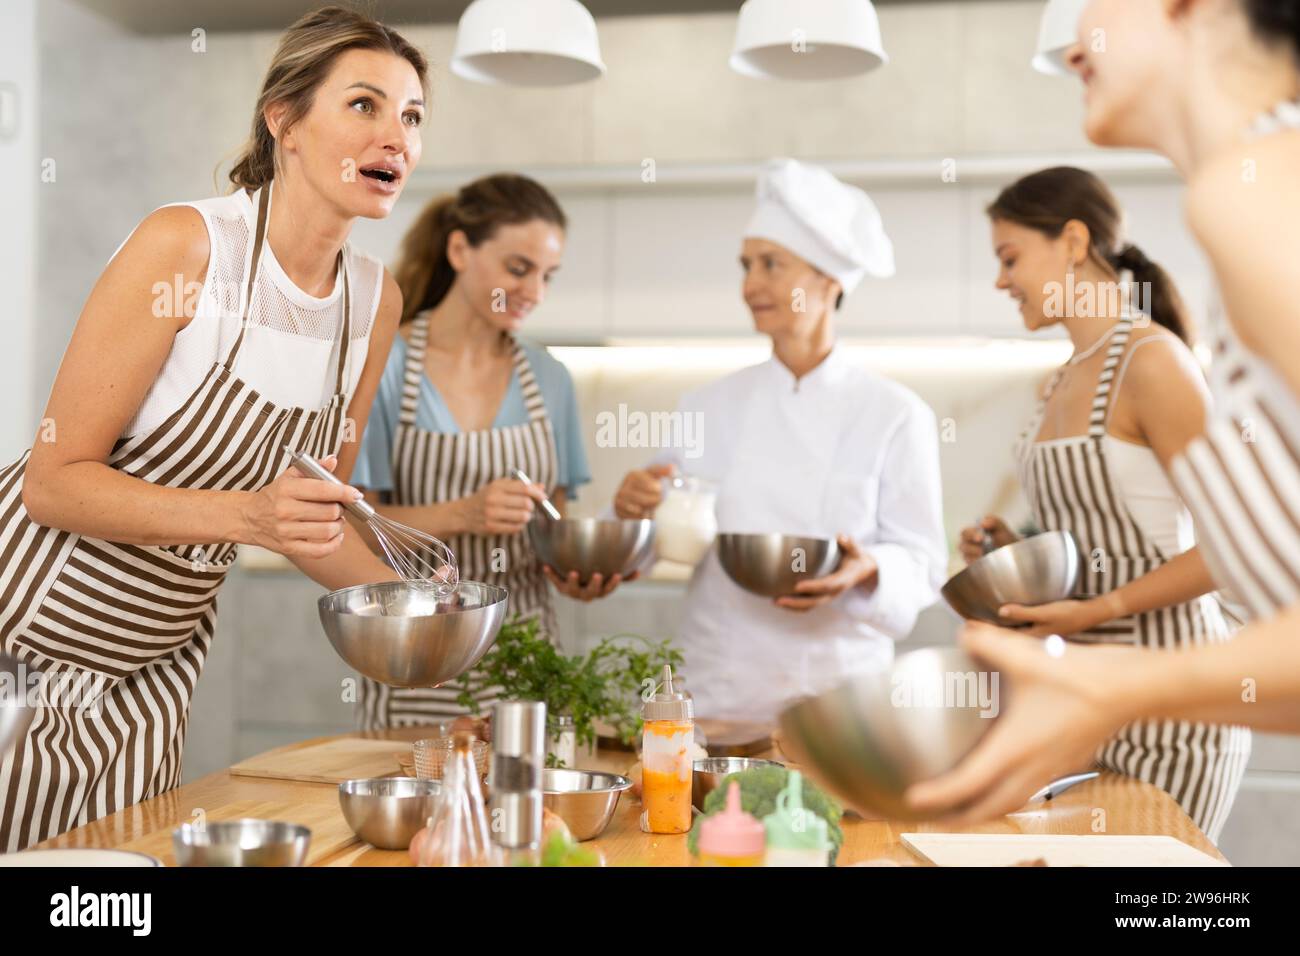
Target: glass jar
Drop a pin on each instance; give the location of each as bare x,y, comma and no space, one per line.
562,741
685,522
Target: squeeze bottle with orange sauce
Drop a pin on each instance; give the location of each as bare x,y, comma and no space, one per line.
666,738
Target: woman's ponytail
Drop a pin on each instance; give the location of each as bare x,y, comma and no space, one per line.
1153,292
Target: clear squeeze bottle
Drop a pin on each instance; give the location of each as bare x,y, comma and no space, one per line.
666,739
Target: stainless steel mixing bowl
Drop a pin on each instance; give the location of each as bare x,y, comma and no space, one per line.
388,811
1034,570
241,843
406,635
584,799
764,564
870,738
591,545
15,714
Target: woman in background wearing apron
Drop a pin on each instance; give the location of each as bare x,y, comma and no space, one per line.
1092,462
163,446
464,402
1214,87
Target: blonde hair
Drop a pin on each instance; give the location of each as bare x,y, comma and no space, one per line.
478,209
303,59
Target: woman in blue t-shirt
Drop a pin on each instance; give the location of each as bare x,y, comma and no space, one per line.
464,402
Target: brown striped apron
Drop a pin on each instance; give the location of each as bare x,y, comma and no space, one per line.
1071,488
135,622
431,467
1241,479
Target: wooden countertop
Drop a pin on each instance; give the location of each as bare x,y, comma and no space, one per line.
1129,806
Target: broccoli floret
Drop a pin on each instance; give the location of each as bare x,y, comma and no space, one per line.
759,787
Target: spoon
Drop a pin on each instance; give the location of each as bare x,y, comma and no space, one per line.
552,512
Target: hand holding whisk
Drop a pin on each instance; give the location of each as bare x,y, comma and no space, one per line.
419,557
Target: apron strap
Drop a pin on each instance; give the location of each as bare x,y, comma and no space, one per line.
532,393
345,341
259,237
415,346
1102,397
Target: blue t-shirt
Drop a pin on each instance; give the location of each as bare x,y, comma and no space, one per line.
374,468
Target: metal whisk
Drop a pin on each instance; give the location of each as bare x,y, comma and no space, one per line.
416,555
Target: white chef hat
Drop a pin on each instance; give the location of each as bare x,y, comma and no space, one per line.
834,226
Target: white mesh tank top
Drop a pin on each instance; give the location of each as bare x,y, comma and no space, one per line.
289,353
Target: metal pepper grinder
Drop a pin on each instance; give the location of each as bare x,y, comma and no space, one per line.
518,756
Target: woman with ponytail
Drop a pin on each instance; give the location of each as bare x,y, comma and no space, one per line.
465,401
1214,85
1093,459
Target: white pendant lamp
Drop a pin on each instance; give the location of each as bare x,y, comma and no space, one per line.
527,43
807,40
1058,32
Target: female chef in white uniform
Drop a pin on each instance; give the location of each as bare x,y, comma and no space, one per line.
806,443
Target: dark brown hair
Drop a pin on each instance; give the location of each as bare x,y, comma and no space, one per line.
304,57
478,209
1048,200
1276,21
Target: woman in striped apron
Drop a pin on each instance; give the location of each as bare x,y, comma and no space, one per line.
464,402
110,560
1183,81
1106,485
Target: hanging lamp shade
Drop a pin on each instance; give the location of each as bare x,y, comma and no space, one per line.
527,43
1058,32
807,40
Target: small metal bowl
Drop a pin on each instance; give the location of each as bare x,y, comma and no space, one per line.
584,799
1034,570
764,564
241,843
708,774
387,812
592,545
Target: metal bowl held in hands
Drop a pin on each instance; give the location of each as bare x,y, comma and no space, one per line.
15,714
408,635
591,545
1035,570
869,739
770,565
584,799
241,843
387,812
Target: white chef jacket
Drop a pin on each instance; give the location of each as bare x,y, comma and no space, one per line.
840,451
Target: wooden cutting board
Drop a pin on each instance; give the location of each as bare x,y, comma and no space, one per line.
1004,849
334,761
329,831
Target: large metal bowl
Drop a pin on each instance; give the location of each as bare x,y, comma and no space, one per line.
15,715
592,545
241,843
404,635
765,564
1034,570
870,738
388,811
584,799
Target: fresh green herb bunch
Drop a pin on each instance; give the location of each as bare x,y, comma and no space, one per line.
602,685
